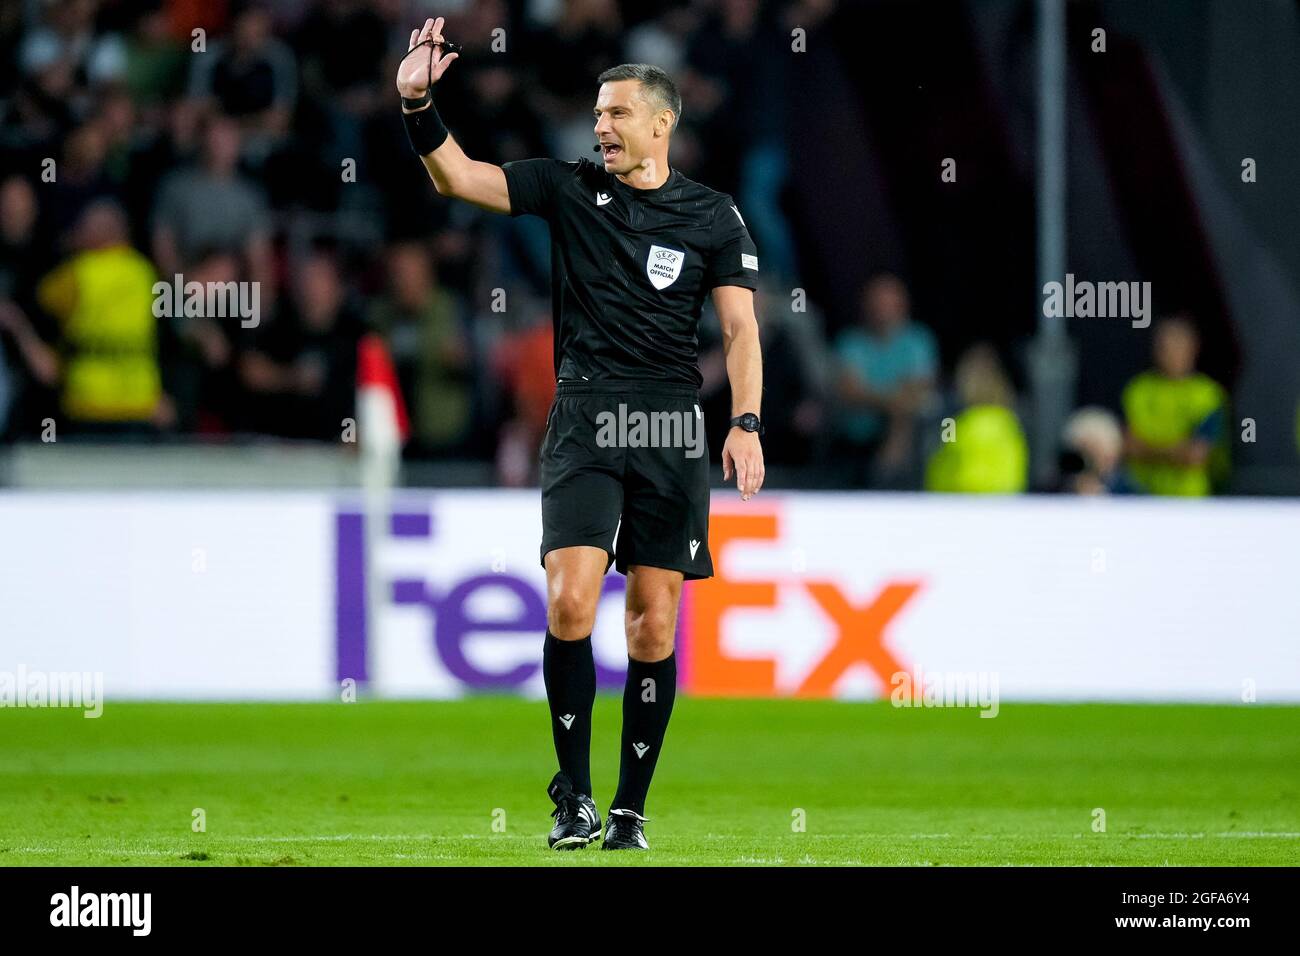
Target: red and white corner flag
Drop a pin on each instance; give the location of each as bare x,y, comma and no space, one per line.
381,413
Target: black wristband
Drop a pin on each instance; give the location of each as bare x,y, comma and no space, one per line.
425,130
419,102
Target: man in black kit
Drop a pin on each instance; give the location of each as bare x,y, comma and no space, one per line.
635,246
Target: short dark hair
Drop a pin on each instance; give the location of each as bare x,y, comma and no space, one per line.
657,85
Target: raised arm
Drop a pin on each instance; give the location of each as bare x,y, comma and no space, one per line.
453,173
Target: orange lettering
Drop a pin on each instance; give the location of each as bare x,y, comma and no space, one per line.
861,635
710,671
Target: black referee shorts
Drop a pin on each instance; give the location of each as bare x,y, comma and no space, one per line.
625,467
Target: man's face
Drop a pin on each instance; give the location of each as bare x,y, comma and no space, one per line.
409,271
221,145
1175,347
218,267
319,293
17,209
251,30
885,305
625,125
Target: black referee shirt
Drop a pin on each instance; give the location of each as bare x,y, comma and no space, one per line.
630,267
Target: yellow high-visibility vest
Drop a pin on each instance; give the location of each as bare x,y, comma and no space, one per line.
988,455
104,298
1164,412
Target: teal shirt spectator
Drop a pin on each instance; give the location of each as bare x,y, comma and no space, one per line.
883,364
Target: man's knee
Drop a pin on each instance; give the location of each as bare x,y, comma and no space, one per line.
572,614
650,630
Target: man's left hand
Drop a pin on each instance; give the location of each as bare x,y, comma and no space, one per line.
743,454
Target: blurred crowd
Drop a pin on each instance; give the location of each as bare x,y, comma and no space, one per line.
259,142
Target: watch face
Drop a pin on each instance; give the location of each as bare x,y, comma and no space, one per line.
748,421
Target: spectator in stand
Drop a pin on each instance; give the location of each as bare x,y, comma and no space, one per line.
80,179
106,360
1093,454
737,64
24,254
523,360
342,47
199,356
983,450
251,77
794,378
28,368
585,39
1176,418
421,323
299,374
66,43
885,379
794,386
116,120
213,209
155,62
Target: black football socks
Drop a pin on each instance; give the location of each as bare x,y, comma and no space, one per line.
647,704
569,671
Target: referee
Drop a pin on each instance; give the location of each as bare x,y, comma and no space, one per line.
635,246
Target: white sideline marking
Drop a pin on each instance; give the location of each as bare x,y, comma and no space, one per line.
381,837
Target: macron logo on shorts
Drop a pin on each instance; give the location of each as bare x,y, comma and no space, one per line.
695,546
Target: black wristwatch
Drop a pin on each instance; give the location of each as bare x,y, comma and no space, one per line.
749,422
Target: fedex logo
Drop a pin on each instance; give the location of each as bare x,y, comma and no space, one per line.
469,622
450,604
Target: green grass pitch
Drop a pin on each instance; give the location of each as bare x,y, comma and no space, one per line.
463,782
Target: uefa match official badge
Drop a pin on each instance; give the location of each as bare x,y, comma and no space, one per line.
664,265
